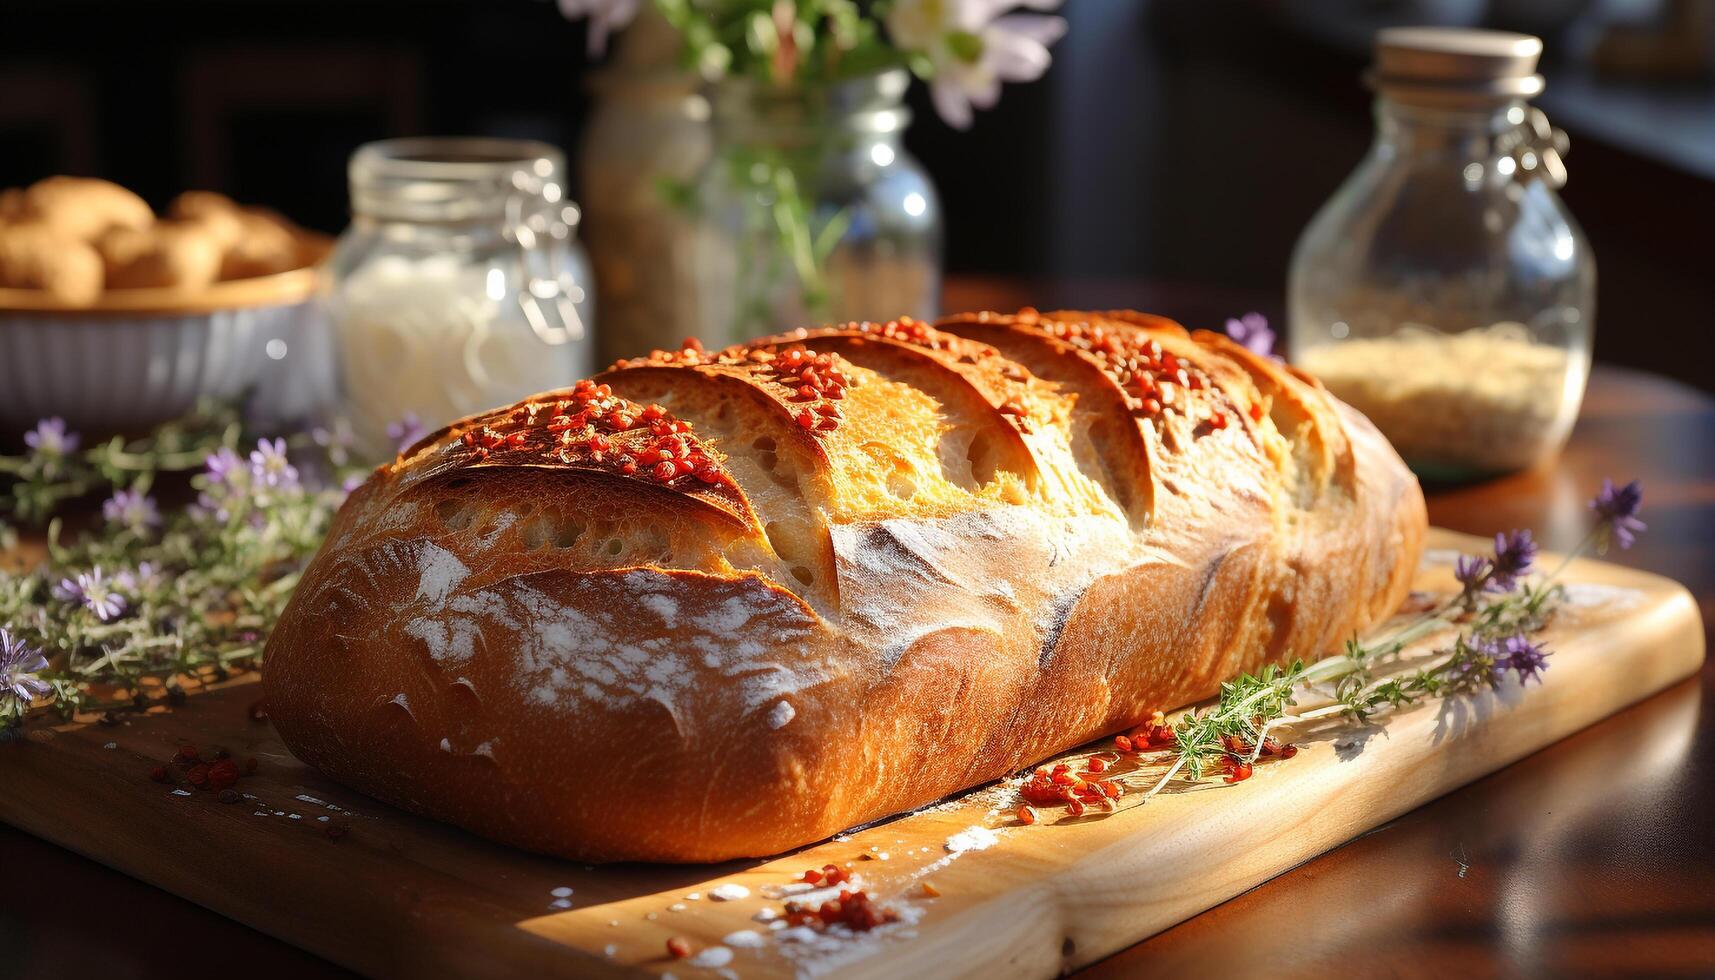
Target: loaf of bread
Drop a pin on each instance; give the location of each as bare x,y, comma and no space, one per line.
716,605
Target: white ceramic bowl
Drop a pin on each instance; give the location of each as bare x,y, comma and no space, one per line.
145,356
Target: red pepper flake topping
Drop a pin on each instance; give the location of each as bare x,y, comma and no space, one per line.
1145,372
906,330
854,910
1152,735
678,947
1237,771
828,874
1027,814
1271,747
592,425
159,774
1097,764
815,380
222,774
1123,744
803,377
186,753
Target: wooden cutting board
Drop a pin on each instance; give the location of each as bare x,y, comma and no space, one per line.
401,896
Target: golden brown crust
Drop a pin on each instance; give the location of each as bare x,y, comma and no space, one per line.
846,620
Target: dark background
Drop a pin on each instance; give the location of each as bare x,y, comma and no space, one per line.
1176,141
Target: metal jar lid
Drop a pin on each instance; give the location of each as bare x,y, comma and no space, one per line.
1455,66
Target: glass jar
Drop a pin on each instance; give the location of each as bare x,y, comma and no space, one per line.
458,286
1445,291
648,133
810,210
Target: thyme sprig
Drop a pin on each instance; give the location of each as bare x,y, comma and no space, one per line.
123,612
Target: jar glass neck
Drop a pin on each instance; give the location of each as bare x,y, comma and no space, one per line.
1465,130
456,184
863,110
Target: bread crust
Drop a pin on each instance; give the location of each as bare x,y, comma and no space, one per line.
699,692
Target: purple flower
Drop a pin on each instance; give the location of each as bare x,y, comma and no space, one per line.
227,481
131,510
1514,553
134,580
269,466
1516,653
225,467
93,591
1617,509
1251,331
406,431
336,440
19,666
50,438
1472,571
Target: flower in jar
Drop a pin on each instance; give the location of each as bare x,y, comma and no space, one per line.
972,46
605,17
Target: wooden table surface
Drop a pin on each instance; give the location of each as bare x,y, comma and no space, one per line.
1594,856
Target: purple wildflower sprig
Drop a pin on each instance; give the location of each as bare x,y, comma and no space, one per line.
1499,608
58,467
1497,612
1616,510
154,595
1501,572
131,510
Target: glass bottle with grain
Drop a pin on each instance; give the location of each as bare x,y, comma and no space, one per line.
1445,290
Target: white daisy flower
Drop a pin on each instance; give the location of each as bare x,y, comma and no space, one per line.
973,46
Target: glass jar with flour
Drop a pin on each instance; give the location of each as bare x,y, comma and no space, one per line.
459,285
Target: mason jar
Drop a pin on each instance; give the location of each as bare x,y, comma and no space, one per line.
809,211
459,285
1445,291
